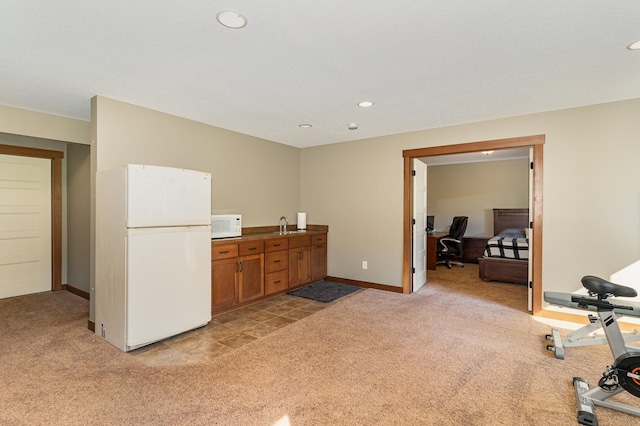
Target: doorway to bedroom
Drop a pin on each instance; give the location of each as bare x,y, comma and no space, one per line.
500,147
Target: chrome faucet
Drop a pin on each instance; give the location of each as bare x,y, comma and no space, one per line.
286,223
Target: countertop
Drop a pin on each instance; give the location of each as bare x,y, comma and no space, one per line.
268,232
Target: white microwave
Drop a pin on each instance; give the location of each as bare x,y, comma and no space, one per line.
226,225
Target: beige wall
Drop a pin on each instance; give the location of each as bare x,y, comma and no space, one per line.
79,207
356,189
254,177
45,126
590,192
38,130
251,176
591,197
474,190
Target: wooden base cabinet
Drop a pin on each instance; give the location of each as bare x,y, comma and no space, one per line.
250,277
276,265
237,273
299,261
299,272
318,257
247,271
223,283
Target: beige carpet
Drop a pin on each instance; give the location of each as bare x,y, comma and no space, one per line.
458,352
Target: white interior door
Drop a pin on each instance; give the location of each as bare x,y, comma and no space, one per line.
25,225
419,224
530,264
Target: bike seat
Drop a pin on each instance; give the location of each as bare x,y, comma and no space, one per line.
604,288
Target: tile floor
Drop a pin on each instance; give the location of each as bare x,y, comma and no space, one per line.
229,331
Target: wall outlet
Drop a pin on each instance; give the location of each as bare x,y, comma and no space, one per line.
364,264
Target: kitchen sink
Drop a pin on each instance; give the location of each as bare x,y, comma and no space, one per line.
288,232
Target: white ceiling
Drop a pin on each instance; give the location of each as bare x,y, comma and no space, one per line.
424,63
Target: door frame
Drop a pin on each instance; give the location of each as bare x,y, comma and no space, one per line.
56,203
536,142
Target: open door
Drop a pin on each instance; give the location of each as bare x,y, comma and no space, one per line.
530,236
419,240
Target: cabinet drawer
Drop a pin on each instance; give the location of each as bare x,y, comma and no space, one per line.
224,251
295,242
276,281
319,239
251,247
276,261
275,244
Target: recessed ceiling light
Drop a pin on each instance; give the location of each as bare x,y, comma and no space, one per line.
304,125
634,46
352,126
365,104
231,19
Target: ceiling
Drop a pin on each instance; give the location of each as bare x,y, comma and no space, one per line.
424,63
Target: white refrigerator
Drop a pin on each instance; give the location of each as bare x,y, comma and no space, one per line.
153,253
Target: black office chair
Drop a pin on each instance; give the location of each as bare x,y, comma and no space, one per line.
451,246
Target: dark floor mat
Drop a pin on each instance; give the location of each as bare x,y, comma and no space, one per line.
324,291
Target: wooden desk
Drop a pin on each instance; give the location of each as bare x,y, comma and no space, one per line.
432,248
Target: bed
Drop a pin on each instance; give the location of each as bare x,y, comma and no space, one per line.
506,254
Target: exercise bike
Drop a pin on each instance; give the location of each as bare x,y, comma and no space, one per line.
624,374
